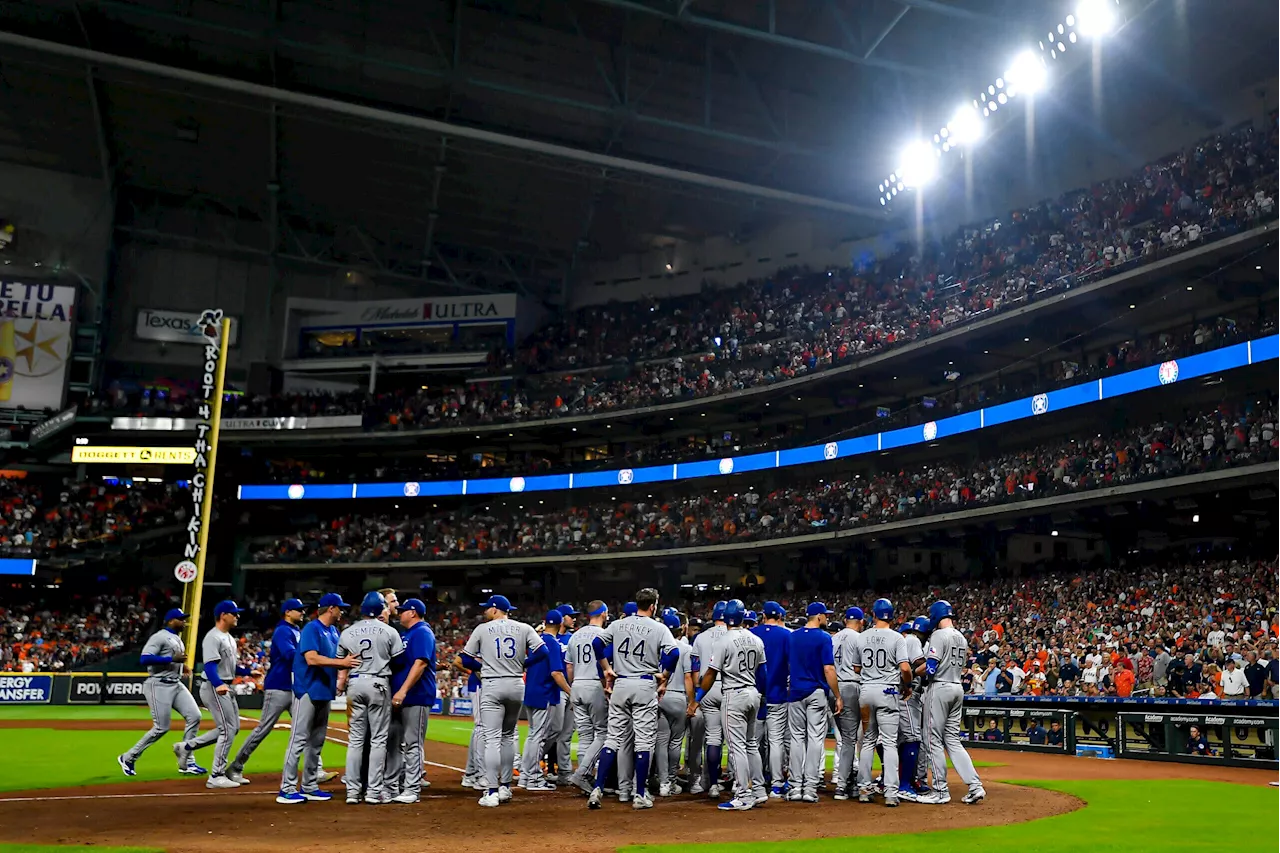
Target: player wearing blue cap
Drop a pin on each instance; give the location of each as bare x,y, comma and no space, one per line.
812,671
220,668
501,648
886,676
672,719
775,741
945,660
368,689
315,686
543,685
414,687
910,713
738,661
847,650
563,755
165,657
706,727
277,687
588,702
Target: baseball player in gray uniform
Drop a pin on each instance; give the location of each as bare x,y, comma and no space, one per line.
706,728
738,661
945,661
644,654
886,676
911,710
501,648
277,692
368,688
165,657
543,685
218,648
847,650
672,717
587,700
473,775
564,740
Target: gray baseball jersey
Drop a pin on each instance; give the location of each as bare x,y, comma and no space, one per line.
950,649
502,646
847,649
220,646
582,655
375,643
705,642
883,652
915,652
165,642
675,684
639,643
736,657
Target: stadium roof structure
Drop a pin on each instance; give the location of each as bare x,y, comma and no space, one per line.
501,145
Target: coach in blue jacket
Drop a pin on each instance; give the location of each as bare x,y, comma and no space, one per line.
415,691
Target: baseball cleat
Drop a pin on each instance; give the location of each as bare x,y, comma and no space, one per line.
795,795
426,783
471,782
864,795
974,796
406,799
489,801
183,755
126,766
317,796
564,779
371,800
809,797
237,777
327,776
539,786
664,790
642,801
761,798
736,805
934,798
194,769
597,797
353,801
891,802
714,792
504,793
777,792
220,782
294,799
697,788
840,794
624,796
908,796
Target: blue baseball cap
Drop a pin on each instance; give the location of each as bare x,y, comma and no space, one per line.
499,601
227,606
416,605
292,604
567,610
774,610
553,617
331,599
817,608
854,613
176,613
750,616
630,609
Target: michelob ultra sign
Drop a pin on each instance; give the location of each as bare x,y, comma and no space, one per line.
35,343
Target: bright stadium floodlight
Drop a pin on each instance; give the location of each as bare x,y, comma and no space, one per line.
965,127
919,165
1026,74
1097,17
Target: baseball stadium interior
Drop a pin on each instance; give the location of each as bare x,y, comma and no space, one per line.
618,412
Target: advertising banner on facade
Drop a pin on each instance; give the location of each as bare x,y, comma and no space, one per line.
35,343
178,327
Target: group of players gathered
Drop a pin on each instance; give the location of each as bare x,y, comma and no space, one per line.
637,687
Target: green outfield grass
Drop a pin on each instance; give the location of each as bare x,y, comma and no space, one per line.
1120,817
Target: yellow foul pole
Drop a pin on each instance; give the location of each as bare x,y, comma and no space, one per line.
217,329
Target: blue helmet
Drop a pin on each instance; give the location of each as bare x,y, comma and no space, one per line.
921,625
752,617
630,609
938,611
882,609
671,618
734,612
373,604
717,612
904,627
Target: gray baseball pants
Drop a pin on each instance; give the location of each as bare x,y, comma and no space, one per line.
226,718
393,775
500,701
309,721
414,723
942,710
564,739
778,740
369,720
274,704
544,724
847,722
672,723
739,707
633,725
880,715
808,723
475,747
164,697
591,714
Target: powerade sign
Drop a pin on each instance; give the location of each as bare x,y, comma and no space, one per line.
111,688
178,327
460,707
25,689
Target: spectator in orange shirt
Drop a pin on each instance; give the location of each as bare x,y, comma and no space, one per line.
1123,680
